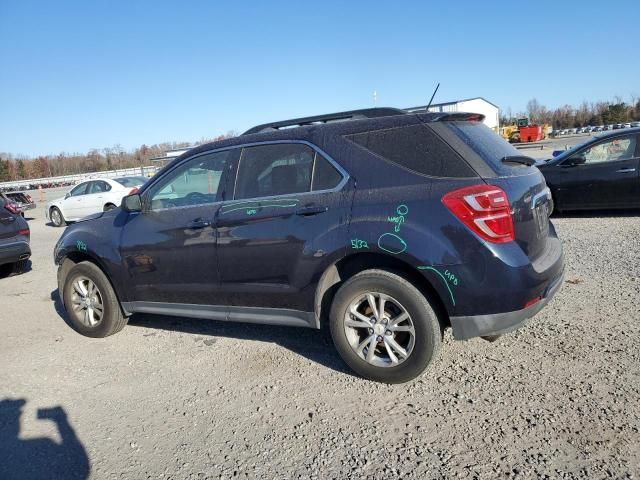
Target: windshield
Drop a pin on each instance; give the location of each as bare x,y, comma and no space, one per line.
130,181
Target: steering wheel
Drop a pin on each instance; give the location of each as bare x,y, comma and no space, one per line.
195,198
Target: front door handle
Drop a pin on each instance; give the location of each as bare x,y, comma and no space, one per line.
198,223
311,210
626,170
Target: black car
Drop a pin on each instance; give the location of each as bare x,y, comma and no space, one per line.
386,226
14,238
602,173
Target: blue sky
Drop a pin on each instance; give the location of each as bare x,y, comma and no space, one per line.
92,74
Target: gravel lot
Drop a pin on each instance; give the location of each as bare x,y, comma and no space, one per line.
174,398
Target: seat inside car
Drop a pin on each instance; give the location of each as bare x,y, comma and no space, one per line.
284,179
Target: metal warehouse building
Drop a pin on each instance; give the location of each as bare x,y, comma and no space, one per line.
490,111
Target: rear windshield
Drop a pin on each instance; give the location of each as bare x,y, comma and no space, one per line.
131,181
485,142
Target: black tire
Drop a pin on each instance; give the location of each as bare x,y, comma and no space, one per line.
20,266
428,330
109,206
57,219
112,320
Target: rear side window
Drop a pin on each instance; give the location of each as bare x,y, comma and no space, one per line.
131,181
99,187
417,148
325,175
484,141
278,169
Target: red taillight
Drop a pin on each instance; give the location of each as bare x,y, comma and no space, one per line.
485,210
133,190
24,232
12,207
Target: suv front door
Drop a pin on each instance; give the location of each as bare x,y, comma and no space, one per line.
73,202
169,249
289,213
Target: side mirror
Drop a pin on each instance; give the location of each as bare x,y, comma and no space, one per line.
132,203
555,153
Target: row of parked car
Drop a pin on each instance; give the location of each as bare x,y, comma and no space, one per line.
35,186
86,198
599,128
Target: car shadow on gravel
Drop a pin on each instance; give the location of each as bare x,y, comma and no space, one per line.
6,270
597,214
316,345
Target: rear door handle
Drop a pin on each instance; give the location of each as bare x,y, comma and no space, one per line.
198,223
626,170
311,210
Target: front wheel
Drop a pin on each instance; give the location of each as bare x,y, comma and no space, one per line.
92,305
383,327
56,217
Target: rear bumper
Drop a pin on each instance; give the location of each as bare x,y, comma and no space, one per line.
468,327
13,252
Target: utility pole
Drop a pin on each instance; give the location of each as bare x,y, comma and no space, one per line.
375,98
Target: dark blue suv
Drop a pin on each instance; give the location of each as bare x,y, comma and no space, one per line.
386,226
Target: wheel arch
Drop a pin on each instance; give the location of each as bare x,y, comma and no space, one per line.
73,258
339,272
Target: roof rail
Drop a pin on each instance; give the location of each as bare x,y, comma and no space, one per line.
330,117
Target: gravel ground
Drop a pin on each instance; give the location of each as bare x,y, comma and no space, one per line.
174,398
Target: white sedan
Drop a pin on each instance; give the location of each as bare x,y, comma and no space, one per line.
91,196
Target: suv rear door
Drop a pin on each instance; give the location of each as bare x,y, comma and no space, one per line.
290,211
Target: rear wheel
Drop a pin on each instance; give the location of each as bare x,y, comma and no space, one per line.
20,266
92,305
56,217
383,327
109,206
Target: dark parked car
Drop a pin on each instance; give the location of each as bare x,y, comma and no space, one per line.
386,226
599,174
14,238
23,200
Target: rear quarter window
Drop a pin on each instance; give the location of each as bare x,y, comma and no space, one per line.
490,146
416,148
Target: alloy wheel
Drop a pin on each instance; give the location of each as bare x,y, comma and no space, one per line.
87,302
379,329
55,217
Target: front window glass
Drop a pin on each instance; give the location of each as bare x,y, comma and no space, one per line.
612,150
198,181
79,190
